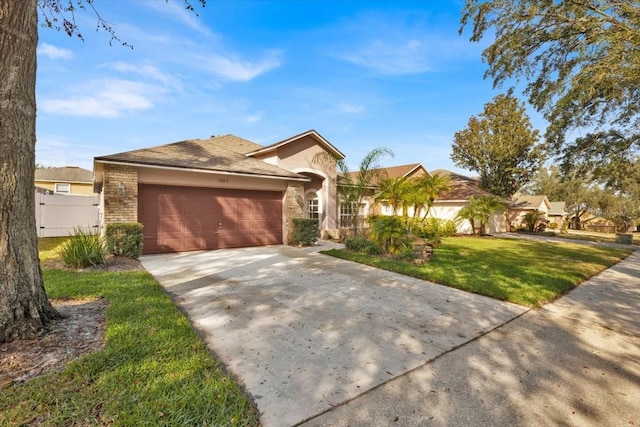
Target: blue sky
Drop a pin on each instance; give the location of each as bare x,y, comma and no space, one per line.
364,74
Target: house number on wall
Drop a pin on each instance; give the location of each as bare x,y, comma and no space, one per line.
223,180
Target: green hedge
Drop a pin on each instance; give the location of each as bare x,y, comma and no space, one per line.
124,239
305,231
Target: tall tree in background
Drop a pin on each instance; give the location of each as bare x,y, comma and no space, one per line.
500,145
581,58
24,308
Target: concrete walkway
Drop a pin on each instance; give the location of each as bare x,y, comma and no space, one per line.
575,362
304,332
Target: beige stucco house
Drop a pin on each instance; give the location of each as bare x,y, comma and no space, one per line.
68,180
449,203
521,205
220,192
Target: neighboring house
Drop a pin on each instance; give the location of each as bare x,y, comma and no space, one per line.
449,203
220,192
557,213
64,180
590,222
522,205
369,206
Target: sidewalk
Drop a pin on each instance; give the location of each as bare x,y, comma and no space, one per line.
574,362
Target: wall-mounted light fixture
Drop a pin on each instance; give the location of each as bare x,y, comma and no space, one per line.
122,189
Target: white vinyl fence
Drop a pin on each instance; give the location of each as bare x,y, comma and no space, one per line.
58,215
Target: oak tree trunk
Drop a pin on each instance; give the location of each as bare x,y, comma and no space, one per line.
24,308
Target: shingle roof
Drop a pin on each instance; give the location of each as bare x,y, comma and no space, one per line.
235,143
462,191
454,176
64,174
224,154
392,172
557,208
528,202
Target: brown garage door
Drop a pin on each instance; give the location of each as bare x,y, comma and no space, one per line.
178,219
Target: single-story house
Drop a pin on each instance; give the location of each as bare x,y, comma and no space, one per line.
449,203
522,205
557,213
590,222
64,180
220,192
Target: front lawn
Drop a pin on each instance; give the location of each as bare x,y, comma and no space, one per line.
523,272
153,370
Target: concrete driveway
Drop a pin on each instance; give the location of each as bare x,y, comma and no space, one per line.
304,332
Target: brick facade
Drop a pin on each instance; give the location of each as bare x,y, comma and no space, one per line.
120,194
293,207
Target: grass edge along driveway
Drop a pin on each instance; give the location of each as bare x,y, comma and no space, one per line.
153,370
523,272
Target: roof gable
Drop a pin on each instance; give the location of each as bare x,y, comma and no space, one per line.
312,133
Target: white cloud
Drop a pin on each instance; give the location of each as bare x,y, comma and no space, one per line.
53,150
105,99
54,52
253,118
234,68
147,71
403,57
346,107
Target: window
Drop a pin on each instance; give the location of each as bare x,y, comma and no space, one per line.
62,188
312,206
346,213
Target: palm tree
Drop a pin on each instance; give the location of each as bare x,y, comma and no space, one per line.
531,219
392,191
470,213
479,209
353,186
422,193
485,206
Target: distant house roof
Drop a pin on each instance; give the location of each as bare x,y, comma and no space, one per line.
226,153
64,174
530,202
455,176
394,172
460,190
557,208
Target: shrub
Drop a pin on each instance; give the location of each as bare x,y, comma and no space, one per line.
361,245
305,231
553,225
83,249
390,233
124,239
434,229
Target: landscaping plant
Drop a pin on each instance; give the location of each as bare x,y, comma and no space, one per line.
83,249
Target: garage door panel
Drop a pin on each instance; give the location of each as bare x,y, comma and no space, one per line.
189,218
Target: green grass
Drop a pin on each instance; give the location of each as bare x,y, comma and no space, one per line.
48,247
523,272
153,370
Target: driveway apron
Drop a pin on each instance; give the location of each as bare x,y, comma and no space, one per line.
304,332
